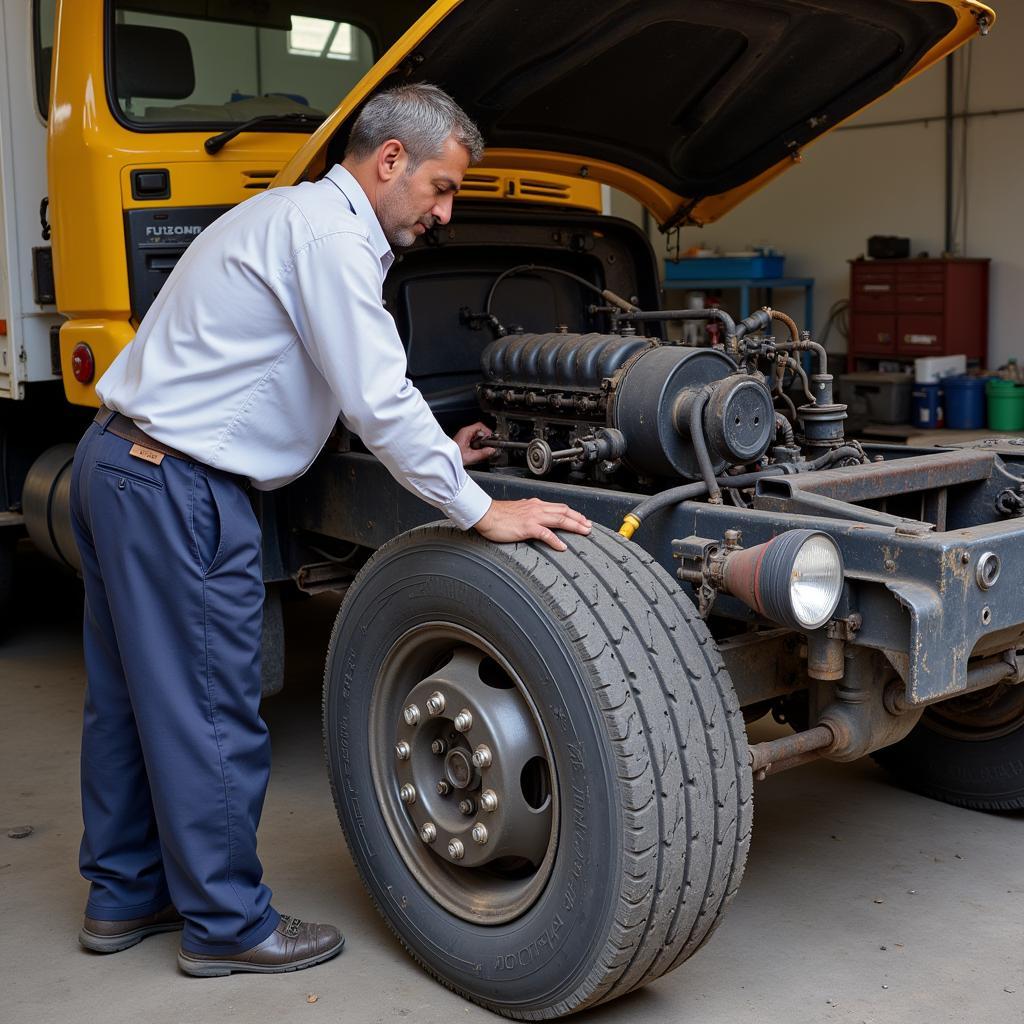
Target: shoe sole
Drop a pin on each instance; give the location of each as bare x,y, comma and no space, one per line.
115,943
222,968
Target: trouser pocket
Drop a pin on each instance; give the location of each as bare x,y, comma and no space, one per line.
207,522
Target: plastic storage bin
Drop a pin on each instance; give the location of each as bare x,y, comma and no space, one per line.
964,403
1005,405
724,268
927,406
884,396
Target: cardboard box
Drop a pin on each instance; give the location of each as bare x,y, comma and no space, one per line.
931,369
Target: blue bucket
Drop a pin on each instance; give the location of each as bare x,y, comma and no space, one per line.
965,402
927,406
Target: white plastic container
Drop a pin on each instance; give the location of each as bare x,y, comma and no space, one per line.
931,370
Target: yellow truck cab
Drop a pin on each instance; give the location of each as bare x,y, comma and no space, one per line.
161,120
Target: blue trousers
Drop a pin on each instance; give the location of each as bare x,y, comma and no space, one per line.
175,756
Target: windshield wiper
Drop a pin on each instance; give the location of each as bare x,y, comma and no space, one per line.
217,142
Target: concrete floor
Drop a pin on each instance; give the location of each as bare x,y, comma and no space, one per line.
861,903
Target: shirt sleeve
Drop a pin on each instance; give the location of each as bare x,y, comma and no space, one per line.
331,289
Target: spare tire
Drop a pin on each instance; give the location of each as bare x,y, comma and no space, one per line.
595,838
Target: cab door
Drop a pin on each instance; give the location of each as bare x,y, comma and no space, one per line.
27,301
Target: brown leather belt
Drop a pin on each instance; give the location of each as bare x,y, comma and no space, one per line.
121,426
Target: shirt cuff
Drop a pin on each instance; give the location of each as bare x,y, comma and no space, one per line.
469,506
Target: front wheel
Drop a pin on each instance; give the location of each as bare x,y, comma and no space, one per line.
538,762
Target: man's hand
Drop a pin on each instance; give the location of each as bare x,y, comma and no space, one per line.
530,519
464,439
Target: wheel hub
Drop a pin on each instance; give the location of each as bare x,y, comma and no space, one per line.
458,767
463,773
500,748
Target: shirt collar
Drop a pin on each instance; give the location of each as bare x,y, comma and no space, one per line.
353,192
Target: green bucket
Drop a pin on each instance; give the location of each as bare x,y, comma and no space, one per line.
1005,405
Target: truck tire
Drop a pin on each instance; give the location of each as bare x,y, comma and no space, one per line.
8,541
616,756
967,751
272,642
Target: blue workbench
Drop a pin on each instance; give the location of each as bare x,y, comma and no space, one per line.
745,285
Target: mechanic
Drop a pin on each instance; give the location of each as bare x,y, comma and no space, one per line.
270,328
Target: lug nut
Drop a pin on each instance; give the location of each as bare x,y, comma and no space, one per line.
464,720
455,849
408,794
479,833
411,714
489,800
467,806
439,746
435,703
482,756
442,787
402,750
429,832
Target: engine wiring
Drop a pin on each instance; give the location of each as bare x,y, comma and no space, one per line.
527,268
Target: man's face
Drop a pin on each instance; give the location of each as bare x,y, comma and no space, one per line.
414,201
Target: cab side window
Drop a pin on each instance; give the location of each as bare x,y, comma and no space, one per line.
43,16
176,68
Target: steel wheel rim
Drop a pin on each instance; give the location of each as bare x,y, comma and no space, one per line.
499,872
985,715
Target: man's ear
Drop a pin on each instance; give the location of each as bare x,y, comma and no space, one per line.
391,159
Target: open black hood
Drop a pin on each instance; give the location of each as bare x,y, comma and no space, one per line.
698,97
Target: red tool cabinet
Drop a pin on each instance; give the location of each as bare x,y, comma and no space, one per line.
902,309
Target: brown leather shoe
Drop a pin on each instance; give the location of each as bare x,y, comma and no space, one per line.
113,936
291,946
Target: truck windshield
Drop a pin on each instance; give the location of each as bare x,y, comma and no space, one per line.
173,67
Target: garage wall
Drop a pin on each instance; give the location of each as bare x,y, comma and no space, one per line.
890,181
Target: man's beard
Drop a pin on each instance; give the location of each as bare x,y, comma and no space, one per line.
393,213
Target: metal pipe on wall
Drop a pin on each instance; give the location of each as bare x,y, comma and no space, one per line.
950,131
905,122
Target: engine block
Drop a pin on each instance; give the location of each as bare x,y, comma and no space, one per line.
622,398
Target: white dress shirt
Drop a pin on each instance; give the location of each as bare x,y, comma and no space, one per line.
269,329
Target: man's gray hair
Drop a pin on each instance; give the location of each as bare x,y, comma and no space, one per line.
420,117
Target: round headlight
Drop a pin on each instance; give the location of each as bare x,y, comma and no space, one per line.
795,579
816,581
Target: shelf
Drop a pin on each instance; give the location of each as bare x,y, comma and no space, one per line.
746,285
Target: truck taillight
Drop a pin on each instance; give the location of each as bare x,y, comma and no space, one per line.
83,365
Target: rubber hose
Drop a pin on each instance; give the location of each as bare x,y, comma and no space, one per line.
784,427
712,313
785,318
795,366
700,445
846,452
798,342
686,492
